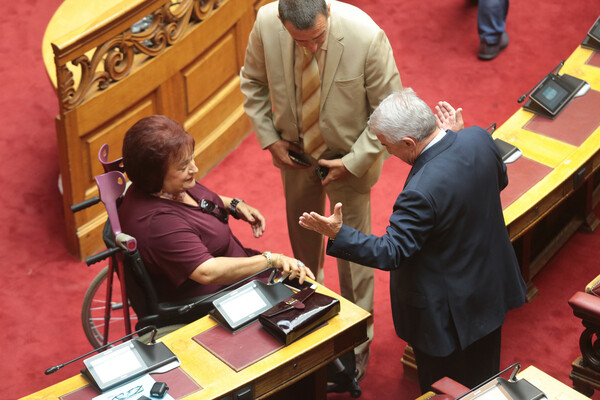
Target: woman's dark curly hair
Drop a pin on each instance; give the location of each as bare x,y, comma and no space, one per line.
150,146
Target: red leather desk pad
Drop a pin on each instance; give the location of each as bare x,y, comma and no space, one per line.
180,385
594,60
240,349
574,124
523,174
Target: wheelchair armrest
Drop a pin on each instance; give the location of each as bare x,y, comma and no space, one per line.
187,305
177,312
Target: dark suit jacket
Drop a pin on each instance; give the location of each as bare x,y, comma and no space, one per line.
453,268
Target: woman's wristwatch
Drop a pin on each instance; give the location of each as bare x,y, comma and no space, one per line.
232,207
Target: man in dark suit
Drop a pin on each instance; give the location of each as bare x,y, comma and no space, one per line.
454,273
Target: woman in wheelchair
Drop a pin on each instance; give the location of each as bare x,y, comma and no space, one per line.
180,225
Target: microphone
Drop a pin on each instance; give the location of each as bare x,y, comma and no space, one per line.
554,71
52,370
188,307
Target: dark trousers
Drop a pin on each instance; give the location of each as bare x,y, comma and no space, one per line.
470,366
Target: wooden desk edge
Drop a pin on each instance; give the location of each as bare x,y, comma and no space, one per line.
353,322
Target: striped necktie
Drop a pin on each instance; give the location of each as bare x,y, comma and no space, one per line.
311,100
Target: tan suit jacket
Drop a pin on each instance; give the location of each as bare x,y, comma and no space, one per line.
359,72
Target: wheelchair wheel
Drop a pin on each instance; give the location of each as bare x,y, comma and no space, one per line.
93,309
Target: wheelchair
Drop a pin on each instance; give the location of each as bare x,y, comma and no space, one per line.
132,292
137,298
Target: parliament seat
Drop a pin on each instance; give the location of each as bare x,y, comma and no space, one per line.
585,369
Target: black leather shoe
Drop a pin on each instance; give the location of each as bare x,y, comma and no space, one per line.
490,51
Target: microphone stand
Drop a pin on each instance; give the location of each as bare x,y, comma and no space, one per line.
52,370
554,71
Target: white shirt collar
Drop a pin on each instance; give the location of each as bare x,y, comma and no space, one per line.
437,138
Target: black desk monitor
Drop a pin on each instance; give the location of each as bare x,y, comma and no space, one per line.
498,388
592,40
508,152
553,94
125,362
243,305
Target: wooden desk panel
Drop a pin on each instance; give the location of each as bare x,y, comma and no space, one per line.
304,360
561,161
553,188
107,77
552,388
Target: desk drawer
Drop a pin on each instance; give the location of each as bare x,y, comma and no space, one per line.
311,361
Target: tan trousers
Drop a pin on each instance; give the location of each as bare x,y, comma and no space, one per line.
303,192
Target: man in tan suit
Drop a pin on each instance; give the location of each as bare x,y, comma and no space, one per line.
357,70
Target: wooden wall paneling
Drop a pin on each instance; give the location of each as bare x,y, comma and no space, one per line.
194,81
90,222
171,96
65,187
112,133
214,102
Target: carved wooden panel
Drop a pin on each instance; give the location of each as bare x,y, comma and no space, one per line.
180,59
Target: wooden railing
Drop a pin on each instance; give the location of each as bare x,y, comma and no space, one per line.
138,58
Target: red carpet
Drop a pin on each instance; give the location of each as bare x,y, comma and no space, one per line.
435,45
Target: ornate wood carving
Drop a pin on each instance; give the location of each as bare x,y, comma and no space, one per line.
113,60
585,372
179,58
590,345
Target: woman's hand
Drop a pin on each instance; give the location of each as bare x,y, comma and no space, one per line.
292,267
253,217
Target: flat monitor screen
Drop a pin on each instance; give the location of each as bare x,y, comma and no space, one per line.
595,30
551,95
247,302
242,305
115,365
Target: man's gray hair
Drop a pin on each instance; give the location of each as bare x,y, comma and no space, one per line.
302,14
402,114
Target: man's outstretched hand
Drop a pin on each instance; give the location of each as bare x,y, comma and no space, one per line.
328,226
448,118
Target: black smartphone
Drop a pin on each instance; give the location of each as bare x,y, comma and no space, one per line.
294,283
322,171
299,158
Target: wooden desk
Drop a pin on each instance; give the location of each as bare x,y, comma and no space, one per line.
185,66
553,388
302,362
552,191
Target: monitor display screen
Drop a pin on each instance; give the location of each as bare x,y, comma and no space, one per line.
595,30
247,302
115,365
551,95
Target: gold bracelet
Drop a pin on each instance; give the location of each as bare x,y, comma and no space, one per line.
268,256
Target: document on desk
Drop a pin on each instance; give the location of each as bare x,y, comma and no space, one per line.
497,394
501,389
132,390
